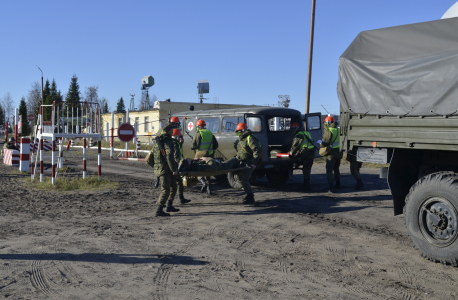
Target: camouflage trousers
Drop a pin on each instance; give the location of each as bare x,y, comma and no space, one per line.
307,162
168,186
244,178
355,166
332,166
180,186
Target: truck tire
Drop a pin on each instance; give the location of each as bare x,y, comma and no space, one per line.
431,217
278,178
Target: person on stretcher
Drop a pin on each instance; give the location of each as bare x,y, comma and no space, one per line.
207,164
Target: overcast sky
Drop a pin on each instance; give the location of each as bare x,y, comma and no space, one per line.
251,51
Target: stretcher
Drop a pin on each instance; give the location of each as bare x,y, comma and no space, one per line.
209,173
190,177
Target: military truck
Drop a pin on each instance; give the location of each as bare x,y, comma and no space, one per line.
270,125
398,91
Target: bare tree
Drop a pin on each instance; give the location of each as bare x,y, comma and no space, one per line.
91,94
34,98
284,100
8,107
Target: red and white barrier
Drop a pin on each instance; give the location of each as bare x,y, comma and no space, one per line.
24,158
11,157
138,145
91,143
84,158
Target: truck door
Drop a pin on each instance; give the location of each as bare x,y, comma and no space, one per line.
312,123
257,124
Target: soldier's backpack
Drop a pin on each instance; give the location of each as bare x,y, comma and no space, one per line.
150,158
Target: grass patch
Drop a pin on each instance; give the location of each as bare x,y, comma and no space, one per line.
17,172
117,144
90,183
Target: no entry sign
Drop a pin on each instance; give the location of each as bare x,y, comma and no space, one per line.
30,118
126,132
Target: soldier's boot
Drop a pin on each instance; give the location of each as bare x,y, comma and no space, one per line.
170,208
183,200
331,188
204,185
249,199
156,183
337,186
160,212
359,184
209,190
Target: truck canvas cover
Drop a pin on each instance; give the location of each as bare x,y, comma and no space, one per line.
404,70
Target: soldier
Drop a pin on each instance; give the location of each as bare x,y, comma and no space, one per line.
10,144
204,143
303,147
178,141
165,166
355,166
175,121
331,138
249,153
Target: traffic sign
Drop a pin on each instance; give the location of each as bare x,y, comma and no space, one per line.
126,132
31,118
190,126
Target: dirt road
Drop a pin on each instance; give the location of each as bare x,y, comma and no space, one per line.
108,244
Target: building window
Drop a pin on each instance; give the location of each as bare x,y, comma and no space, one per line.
119,122
137,120
146,124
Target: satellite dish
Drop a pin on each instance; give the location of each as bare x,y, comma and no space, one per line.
452,12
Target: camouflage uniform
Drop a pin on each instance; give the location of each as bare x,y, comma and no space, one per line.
195,145
306,151
164,168
355,166
333,160
248,154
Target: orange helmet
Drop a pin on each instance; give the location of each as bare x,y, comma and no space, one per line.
177,132
329,119
174,120
241,126
201,123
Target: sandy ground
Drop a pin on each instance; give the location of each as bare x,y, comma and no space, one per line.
108,244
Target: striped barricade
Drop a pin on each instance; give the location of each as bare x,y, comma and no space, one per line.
11,157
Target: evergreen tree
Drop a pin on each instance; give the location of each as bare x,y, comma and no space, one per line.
73,94
46,96
23,114
120,107
2,115
105,108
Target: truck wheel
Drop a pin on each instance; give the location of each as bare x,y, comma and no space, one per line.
431,217
278,179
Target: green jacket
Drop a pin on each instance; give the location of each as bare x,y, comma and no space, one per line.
300,142
9,145
249,149
331,134
168,164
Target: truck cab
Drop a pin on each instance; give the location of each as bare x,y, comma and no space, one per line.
270,125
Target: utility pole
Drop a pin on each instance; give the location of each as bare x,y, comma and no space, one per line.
309,79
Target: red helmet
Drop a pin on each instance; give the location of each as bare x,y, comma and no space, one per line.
174,120
177,132
329,119
241,126
201,123
294,125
